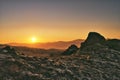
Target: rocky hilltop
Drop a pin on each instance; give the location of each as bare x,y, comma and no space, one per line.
96,59
96,40
92,39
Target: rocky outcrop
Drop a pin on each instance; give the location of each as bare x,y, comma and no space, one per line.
96,41
93,38
72,49
8,49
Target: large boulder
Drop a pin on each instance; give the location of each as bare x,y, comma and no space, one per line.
72,49
93,38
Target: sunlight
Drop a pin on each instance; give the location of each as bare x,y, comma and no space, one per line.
33,39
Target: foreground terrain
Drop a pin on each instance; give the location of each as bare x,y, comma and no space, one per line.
94,60
74,67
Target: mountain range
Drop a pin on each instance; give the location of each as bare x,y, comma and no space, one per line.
50,45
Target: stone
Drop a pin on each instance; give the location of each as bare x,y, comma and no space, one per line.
72,49
93,38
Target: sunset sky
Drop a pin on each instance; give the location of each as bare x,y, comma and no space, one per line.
25,21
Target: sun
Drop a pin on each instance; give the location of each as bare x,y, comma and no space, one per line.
33,39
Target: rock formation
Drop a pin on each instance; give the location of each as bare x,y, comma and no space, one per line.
72,49
96,41
93,38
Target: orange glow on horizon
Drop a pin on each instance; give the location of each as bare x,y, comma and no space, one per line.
57,21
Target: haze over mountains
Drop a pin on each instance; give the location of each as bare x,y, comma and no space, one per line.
50,45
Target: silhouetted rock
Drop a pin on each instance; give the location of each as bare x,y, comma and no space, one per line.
72,49
93,38
96,41
98,48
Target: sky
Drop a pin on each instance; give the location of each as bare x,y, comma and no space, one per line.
22,21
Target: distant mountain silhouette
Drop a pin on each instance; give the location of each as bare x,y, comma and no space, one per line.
51,45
